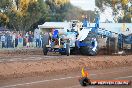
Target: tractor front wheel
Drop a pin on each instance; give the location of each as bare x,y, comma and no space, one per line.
45,42
45,50
67,49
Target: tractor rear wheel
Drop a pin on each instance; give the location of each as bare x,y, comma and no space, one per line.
45,42
87,50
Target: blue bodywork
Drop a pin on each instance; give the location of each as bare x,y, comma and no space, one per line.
94,30
97,31
124,39
55,34
82,44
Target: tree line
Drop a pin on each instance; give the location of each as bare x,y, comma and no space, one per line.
24,15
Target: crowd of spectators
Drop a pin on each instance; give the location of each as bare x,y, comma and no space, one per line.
18,39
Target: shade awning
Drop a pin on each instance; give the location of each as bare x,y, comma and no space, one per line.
58,25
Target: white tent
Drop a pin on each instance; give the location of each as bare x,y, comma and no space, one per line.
57,25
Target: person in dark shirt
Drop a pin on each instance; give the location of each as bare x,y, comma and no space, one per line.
30,39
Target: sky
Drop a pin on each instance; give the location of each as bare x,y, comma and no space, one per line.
84,4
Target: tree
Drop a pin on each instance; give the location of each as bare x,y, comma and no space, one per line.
5,5
40,12
58,8
117,5
27,13
3,19
78,14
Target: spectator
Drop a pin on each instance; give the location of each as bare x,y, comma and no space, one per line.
27,34
9,40
13,39
3,40
20,41
42,39
30,39
24,41
16,40
34,44
27,42
37,37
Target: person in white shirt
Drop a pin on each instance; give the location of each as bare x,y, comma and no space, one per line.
3,40
13,39
37,37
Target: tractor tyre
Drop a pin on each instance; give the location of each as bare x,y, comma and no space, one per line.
67,49
45,42
93,53
45,49
86,50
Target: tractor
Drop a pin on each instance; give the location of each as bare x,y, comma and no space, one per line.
57,42
76,39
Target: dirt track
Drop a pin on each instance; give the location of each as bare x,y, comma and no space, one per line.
70,80
21,66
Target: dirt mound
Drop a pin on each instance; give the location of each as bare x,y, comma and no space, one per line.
58,66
